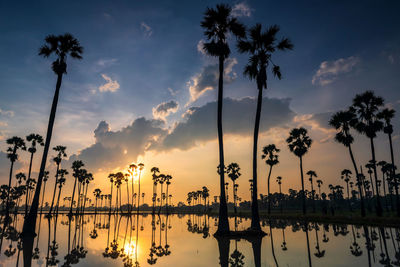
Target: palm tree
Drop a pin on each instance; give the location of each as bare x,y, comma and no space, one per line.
20,177
279,181
299,143
387,115
77,172
312,174
319,183
96,193
141,167
167,182
271,160
233,171
126,179
57,159
366,106
15,144
260,48
342,122
155,171
346,176
35,140
218,23
61,181
111,177
119,176
132,170
62,46
45,178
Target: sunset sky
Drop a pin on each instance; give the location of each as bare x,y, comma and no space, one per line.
145,90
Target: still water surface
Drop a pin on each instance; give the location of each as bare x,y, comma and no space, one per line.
144,240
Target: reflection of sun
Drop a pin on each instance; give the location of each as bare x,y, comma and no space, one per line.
130,250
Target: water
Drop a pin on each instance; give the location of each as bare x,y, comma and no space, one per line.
187,240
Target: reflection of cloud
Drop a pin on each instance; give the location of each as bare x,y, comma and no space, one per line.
207,79
241,10
162,110
147,30
329,70
110,85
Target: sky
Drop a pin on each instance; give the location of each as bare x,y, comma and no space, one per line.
145,91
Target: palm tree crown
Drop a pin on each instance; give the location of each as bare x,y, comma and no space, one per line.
269,154
298,141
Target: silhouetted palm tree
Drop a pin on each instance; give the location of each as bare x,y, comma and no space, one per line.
15,144
366,106
155,172
77,172
342,122
61,182
279,181
35,140
96,193
62,46
271,160
141,167
319,183
299,143
233,171
312,174
260,46
346,175
218,23
111,177
57,159
387,115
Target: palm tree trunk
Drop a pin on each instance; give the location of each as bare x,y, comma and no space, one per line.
9,183
44,190
379,210
348,195
29,176
358,182
111,197
269,195
255,217
384,182
30,221
73,196
308,246
127,196
303,194
312,195
58,200
55,189
223,224
396,186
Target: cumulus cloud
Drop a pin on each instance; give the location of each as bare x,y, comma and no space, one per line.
319,124
110,85
329,70
161,111
207,79
241,10
147,30
200,47
200,123
114,149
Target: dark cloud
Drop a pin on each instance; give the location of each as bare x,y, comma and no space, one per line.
162,110
238,118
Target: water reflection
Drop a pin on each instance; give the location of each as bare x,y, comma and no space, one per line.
186,240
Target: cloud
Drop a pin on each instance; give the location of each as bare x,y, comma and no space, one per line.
172,91
200,123
114,149
147,30
106,62
241,10
200,47
110,85
319,124
207,79
329,70
8,113
162,110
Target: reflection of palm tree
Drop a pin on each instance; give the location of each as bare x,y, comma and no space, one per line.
319,253
260,48
223,247
218,23
299,143
272,244
305,229
283,246
236,259
355,248
271,160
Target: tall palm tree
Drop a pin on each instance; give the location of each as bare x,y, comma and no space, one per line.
61,182
132,170
366,107
155,172
15,143
111,177
57,159
77,172
312,174
387,115
20,177
62,46
168,179
342,122
45,178
233,171
319,183
126,179
141,168
271,160
279,181
35,140
260,46
218,24
96,193
299,143
346,176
